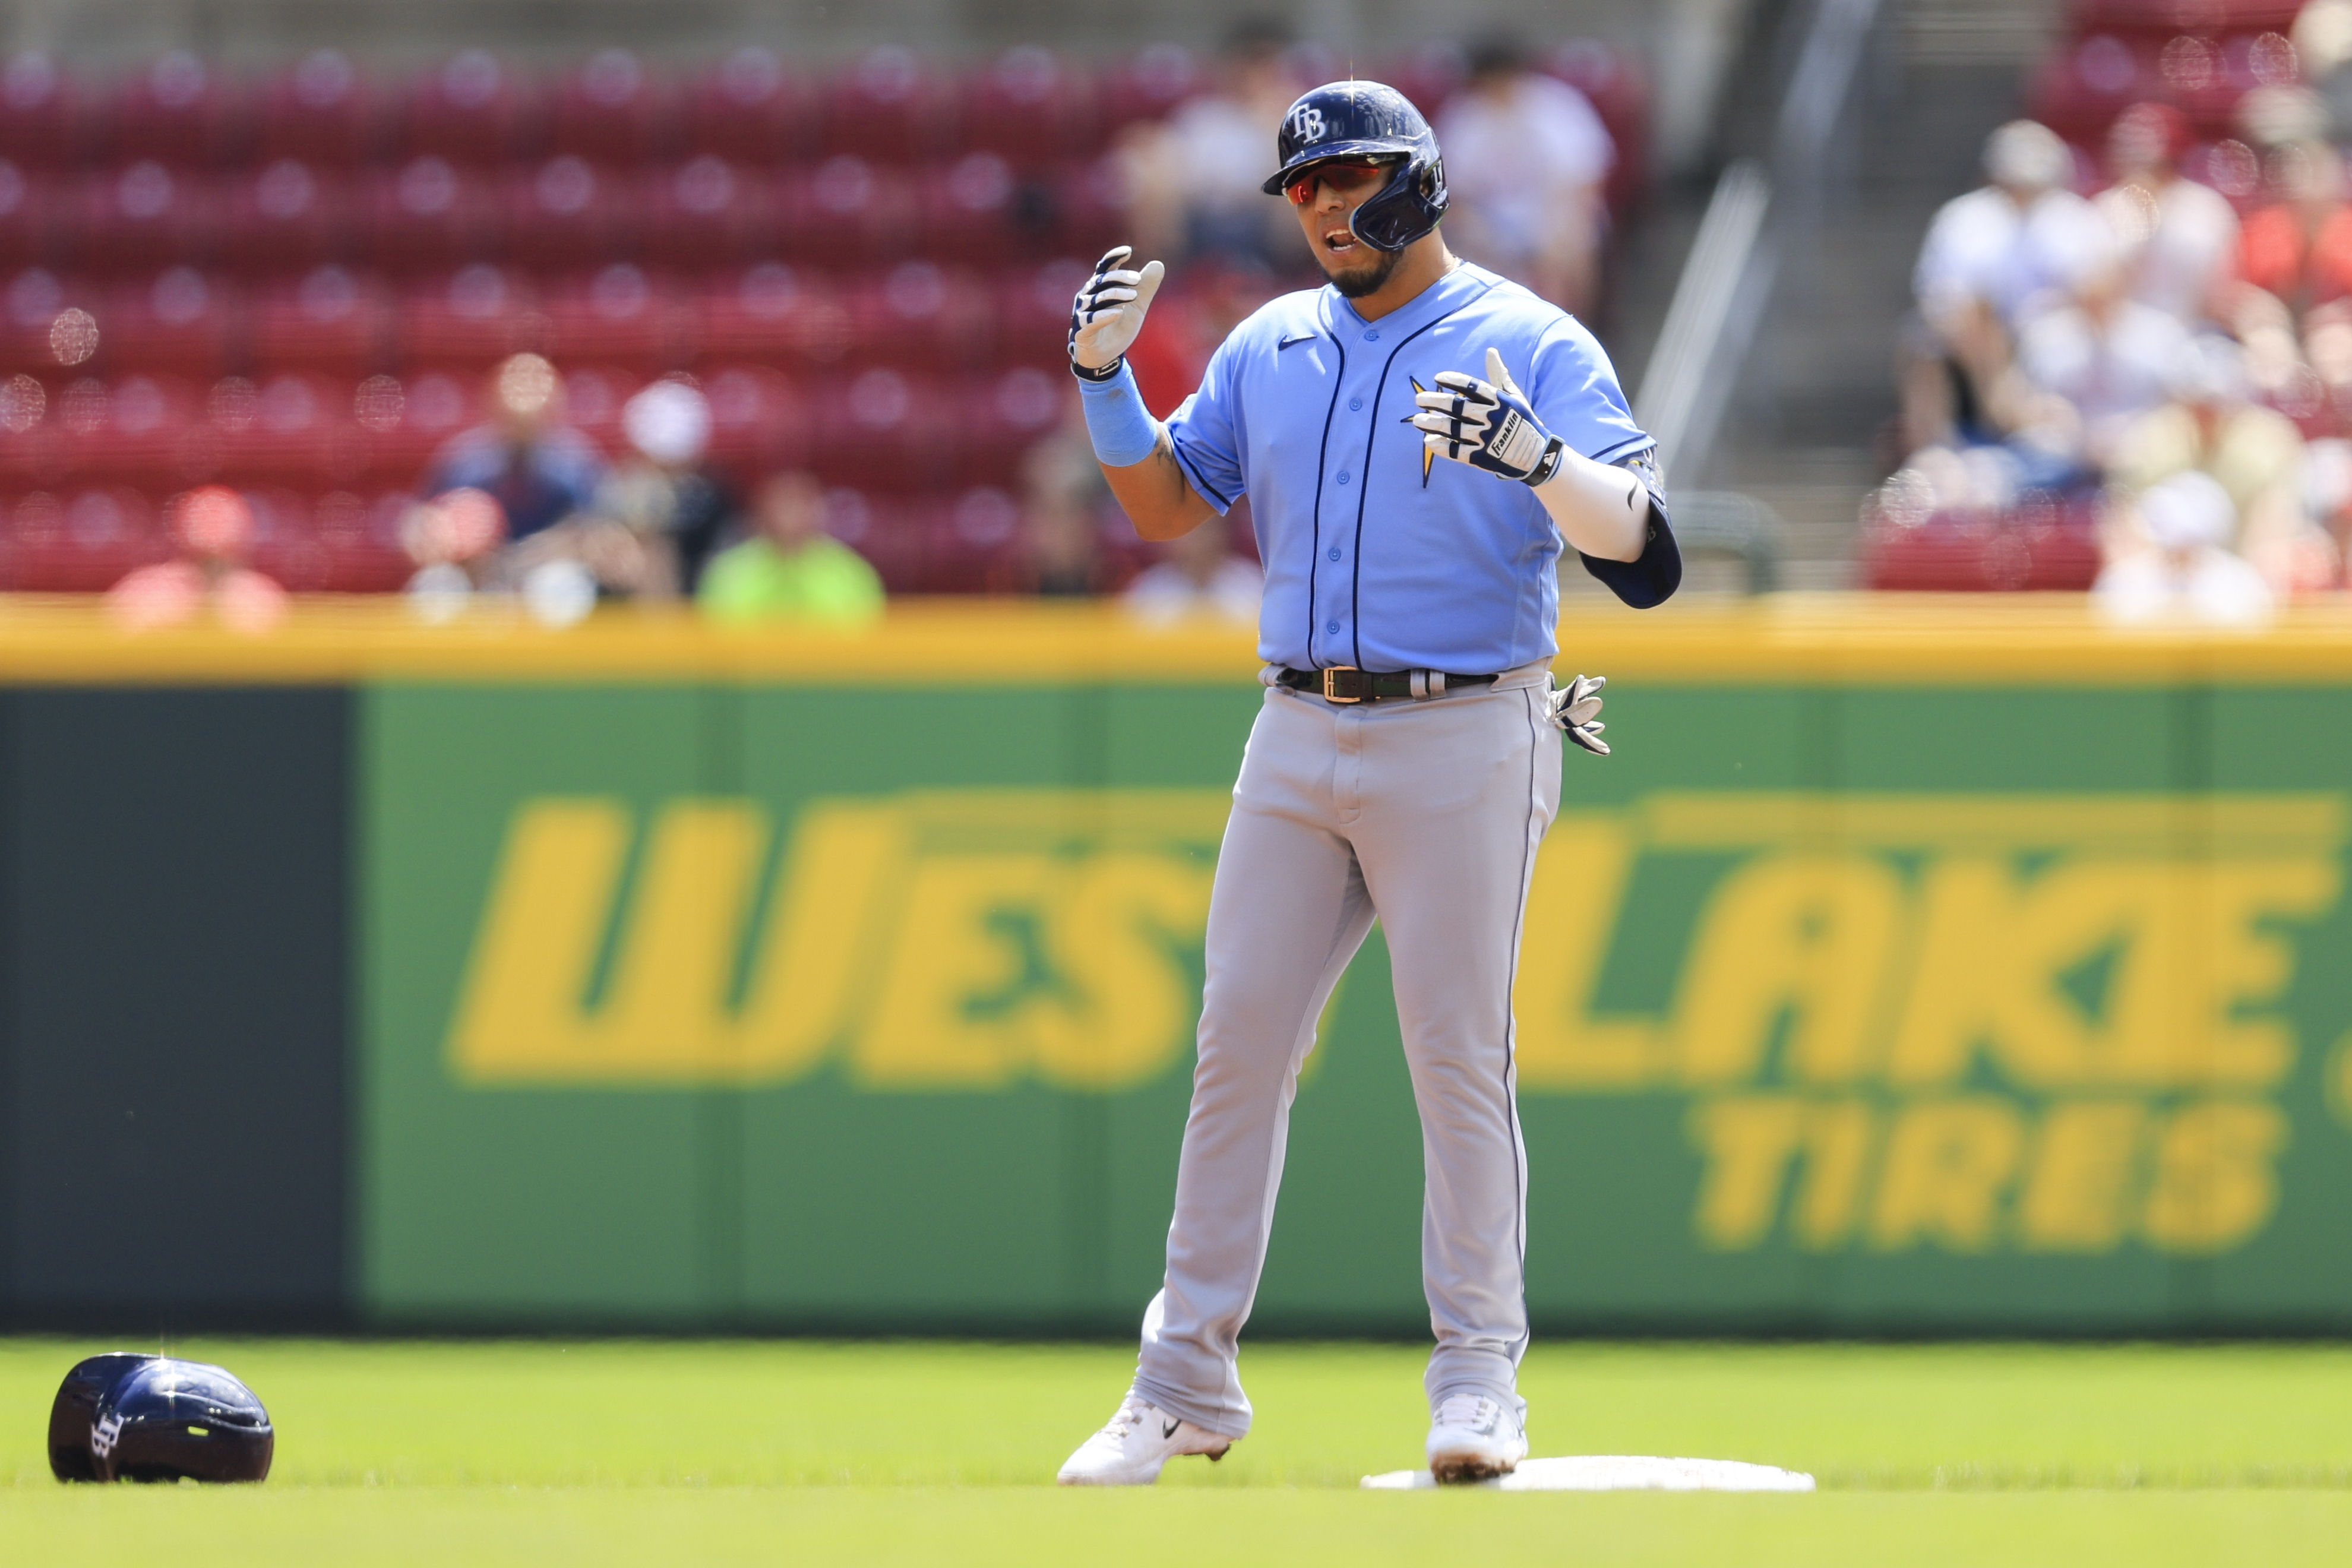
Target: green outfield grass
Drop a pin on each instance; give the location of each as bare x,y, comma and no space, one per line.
453,1454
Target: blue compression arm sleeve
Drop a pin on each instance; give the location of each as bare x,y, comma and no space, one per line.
1123,430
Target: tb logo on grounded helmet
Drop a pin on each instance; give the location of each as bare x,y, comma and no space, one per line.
1368,120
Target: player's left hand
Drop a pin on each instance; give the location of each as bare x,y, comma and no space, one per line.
1576,709
1488,424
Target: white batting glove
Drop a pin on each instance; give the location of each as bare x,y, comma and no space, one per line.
1108,313
1488,424
1576,709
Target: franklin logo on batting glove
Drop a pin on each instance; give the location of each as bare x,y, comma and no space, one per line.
1487,424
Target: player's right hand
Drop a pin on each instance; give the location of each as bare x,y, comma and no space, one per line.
1108,313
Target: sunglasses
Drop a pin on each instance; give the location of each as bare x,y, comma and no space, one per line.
1346,176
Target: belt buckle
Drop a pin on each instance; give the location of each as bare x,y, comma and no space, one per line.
1332,687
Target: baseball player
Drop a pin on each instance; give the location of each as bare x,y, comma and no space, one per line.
1420,440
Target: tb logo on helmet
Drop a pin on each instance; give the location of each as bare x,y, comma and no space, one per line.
1307,123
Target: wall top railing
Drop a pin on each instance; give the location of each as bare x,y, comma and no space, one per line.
2033,639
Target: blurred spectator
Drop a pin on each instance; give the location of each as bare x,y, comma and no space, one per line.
539,470
790,569
2107,356
1064,495
671,503
1199,577
454,539
2255,454
2299,248
2323,45
2177,240
213,528
1192,182
2185,568
1992,260
1526,157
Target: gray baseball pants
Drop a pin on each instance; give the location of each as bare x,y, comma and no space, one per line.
1426,814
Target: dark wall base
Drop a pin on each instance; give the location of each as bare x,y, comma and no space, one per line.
174,1005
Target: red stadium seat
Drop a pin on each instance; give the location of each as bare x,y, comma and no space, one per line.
471,110
568,213
758,421
329,320
176,109
888,105
179,320
286,216
593,395
293,427
474,316
2167,17
38,111
752,110
919,314
885,429
612,109
140,430
707,212
848,211
1089,202
79,540
405,422
1032,311
431,212
1004,415
324,112
771,314
32,337
2044,548
32,441
359,539
617,316
29,219
973,211
1029,104
1150,85
2079,91
147,215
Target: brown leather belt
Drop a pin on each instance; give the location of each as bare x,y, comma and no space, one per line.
1345,683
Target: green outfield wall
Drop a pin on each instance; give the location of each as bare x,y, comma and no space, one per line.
1911,967
1868,1001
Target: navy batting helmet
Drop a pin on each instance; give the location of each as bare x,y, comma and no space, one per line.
1360,119
149,1418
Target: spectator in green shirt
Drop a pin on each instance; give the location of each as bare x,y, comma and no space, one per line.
790,569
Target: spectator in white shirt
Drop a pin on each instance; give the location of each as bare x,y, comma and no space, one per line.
1992,261
1526,159
2178,239
1198,580
2109,355
2187,570
1193,182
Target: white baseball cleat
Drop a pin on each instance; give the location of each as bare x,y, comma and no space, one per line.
1473,1437
1134,1443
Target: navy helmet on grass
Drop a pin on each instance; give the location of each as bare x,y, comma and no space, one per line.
134,1417
1366,119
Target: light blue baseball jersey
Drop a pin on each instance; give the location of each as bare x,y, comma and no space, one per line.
1377,555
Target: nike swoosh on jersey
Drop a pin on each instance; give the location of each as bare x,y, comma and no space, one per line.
1301,338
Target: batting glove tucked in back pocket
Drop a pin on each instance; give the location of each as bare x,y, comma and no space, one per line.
1576,708
1488,424
1108,313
